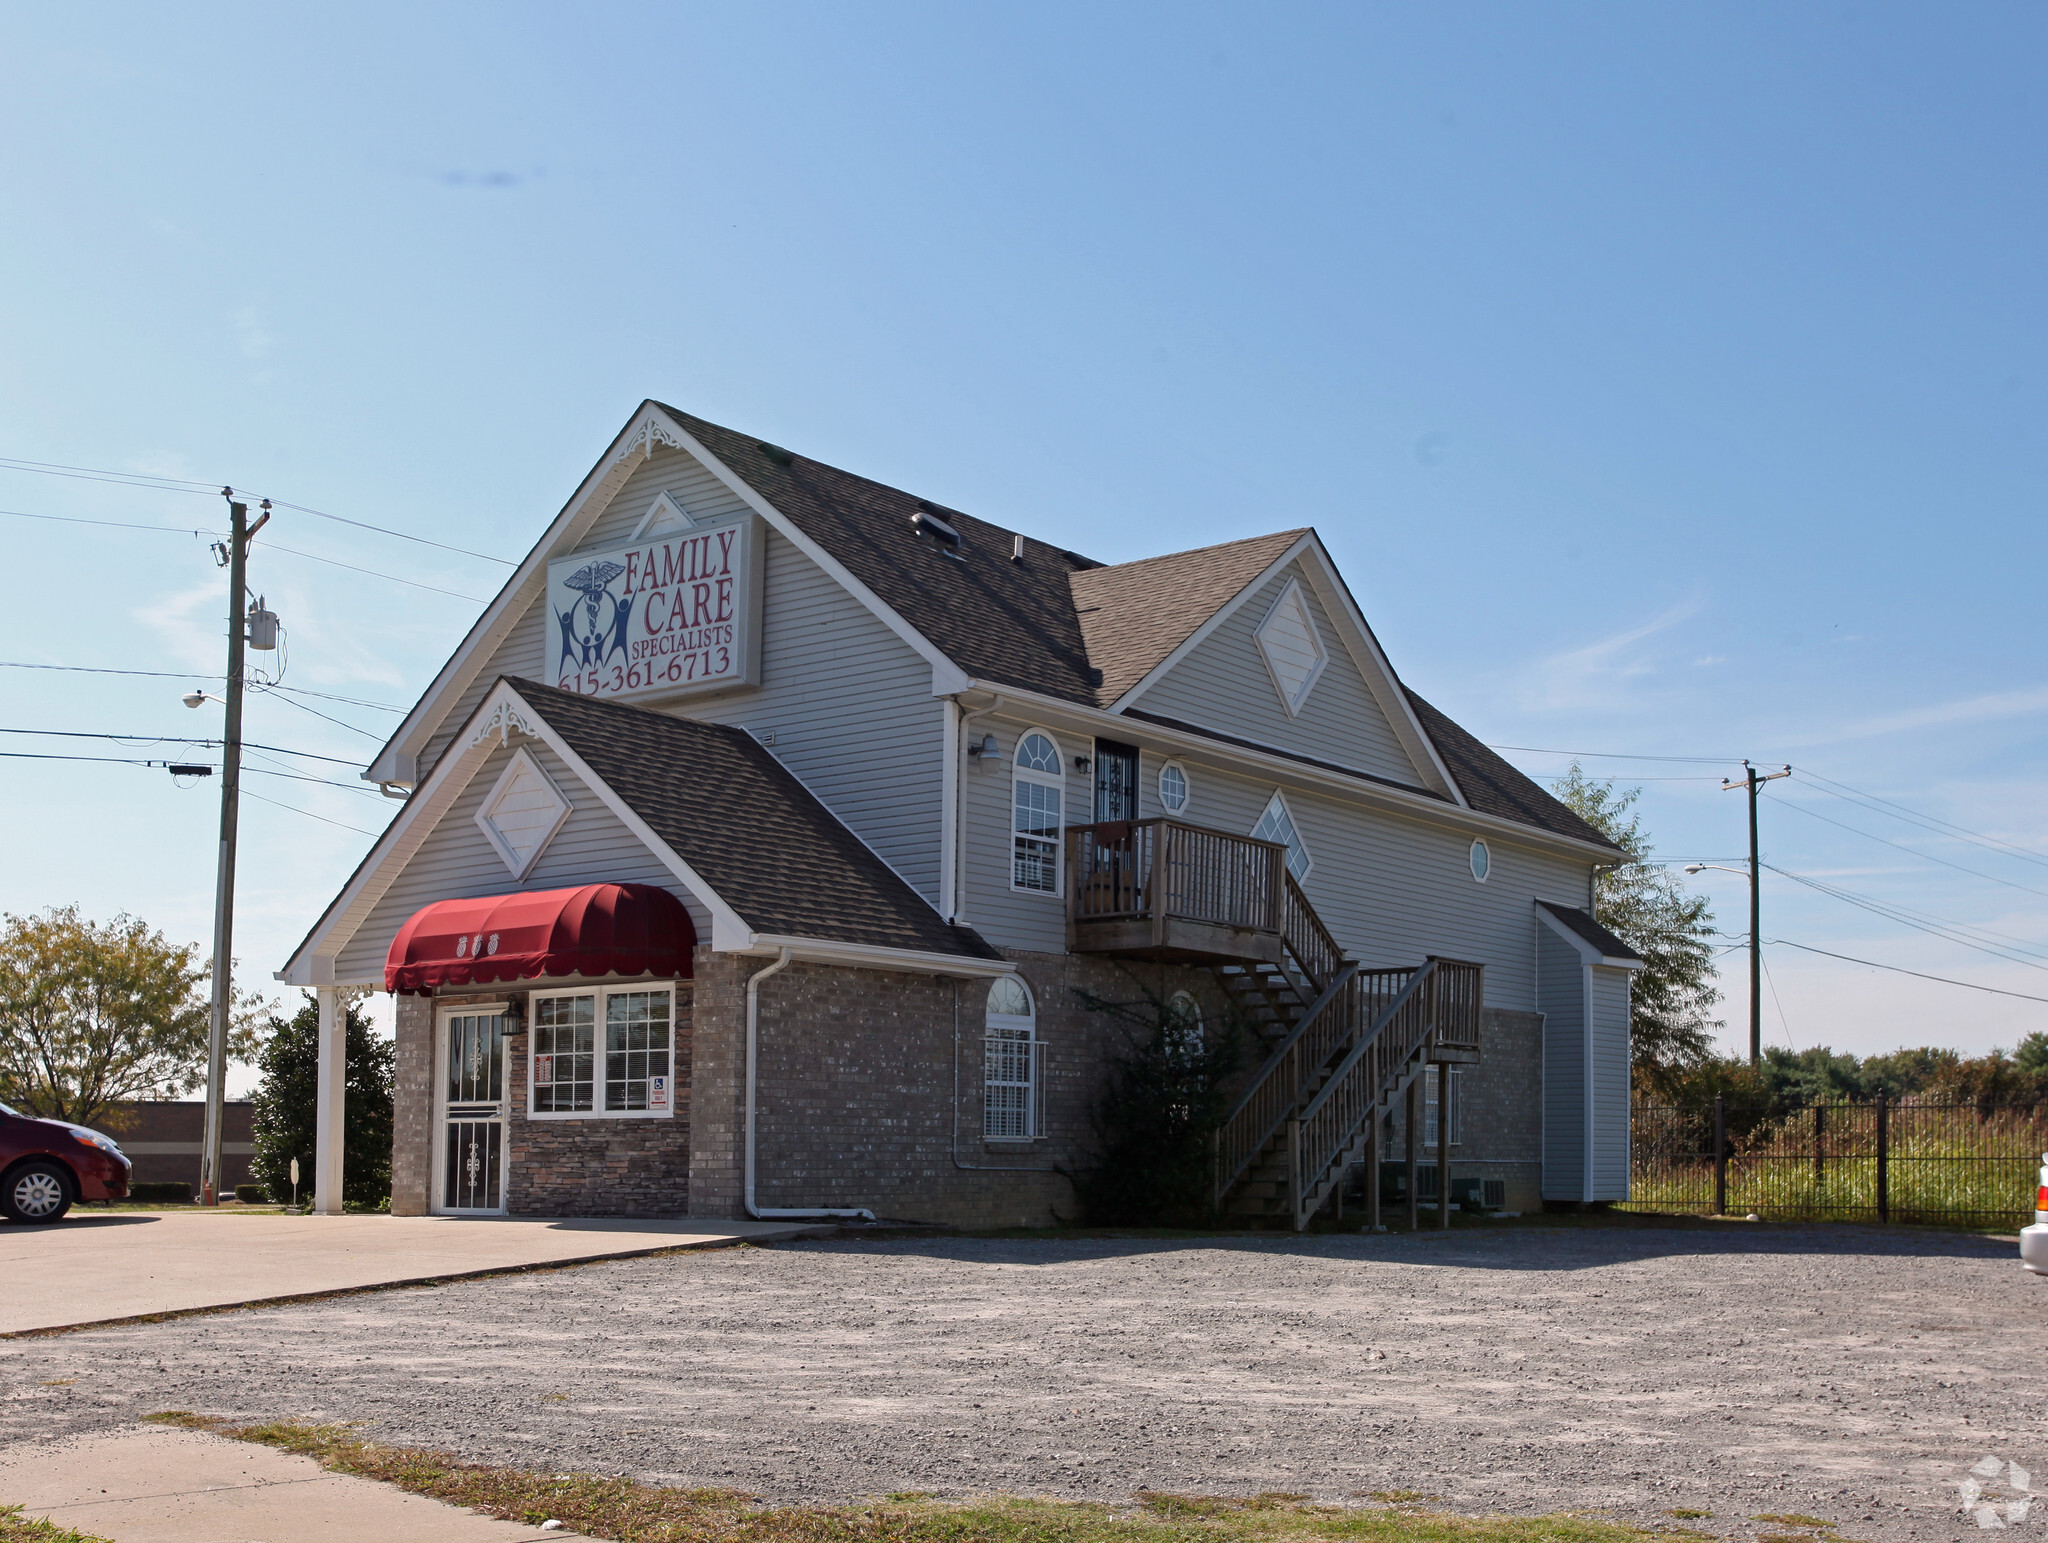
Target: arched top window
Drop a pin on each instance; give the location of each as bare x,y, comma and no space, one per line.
1184,1023
1009,997
1009,1100
1037,751
1038,799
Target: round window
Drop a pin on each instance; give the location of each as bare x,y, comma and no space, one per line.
1173,787
1482,861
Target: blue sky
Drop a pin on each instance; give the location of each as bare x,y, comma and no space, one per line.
1667,380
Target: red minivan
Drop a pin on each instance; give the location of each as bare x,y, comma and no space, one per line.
47,1164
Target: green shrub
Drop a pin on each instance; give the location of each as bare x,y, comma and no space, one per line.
159,1190
252,1194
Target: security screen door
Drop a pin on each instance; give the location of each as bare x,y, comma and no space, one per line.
1116,781
473,1112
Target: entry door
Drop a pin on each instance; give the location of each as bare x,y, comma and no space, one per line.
473,1112
1116,781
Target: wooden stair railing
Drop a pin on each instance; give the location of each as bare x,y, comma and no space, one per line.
1275,1089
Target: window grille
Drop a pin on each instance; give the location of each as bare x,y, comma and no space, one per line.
1010,1068
1037,814
1277,824
564,1059
637,1056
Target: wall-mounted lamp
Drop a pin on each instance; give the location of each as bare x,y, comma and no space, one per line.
984,749
1081,763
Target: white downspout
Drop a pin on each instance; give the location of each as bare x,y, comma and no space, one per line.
774,1213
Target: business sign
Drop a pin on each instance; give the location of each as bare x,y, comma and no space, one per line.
668,613
657,1092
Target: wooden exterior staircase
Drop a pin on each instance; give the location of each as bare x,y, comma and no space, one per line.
1344,1042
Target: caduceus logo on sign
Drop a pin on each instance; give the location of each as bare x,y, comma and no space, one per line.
593,627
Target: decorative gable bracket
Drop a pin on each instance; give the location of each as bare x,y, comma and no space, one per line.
501,723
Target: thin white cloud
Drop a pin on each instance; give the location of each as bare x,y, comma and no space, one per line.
1977,709
1598,674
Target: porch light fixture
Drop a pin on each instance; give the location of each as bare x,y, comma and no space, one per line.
985,749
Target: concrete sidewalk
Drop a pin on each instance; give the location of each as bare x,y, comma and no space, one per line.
177,1486
104,1267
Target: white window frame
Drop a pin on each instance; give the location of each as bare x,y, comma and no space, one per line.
1019,1030
1300,844
1479,858
603,995
1057,781
1187,789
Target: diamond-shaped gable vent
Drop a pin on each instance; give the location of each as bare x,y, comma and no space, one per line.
522,813
1293,647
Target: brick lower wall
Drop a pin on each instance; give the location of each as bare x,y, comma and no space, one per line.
1501,1123
412,1123
870,1088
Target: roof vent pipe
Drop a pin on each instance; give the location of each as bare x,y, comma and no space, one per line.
1016,549
929,522
775,1213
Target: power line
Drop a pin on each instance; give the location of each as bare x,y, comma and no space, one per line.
268,546
1943,827
70,519
1899,970
94,669
187,485
176,739
1912,851
1949,932
309,814
302,707
272,546
1610,755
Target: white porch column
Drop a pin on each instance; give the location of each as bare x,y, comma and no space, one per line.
328,1121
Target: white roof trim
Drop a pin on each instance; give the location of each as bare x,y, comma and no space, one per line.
650,427
865,956
500,715
1358,642
1587,953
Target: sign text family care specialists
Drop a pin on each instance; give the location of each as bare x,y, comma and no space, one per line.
660,614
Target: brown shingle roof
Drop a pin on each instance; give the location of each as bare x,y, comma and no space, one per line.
742,820
1133,615
1020,623
1492,786
1591,931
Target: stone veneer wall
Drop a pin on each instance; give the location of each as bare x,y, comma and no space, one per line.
870,1090
1501,1133
600,1167
412,1122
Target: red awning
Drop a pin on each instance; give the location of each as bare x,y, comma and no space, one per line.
596,929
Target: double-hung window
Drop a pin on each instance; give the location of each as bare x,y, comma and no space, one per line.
1009,1101
1037,813
606,1052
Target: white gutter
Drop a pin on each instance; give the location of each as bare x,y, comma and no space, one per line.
775,1213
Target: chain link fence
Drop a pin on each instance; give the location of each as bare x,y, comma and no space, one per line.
1961,1163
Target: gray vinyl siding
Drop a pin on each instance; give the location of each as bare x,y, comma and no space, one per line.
1391,888
523,651
849,702
1610,1083
1007,917
455,862
1561,998
1224,685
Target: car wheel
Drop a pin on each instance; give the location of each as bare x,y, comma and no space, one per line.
36,1192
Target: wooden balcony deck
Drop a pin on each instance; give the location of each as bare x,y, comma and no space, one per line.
1163,889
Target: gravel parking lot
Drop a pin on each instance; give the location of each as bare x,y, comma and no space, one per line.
1849,1374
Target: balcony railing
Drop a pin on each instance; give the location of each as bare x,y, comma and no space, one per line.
1170,886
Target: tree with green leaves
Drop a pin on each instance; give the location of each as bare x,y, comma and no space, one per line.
1671,1027
93,1015
1153,1163
287,1104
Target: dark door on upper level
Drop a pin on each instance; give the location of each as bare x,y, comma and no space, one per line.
1116,781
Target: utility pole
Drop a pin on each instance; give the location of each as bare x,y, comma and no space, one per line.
239,533
1752,780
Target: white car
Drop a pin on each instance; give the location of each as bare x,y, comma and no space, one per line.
2034,1239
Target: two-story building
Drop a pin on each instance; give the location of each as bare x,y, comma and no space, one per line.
762,837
